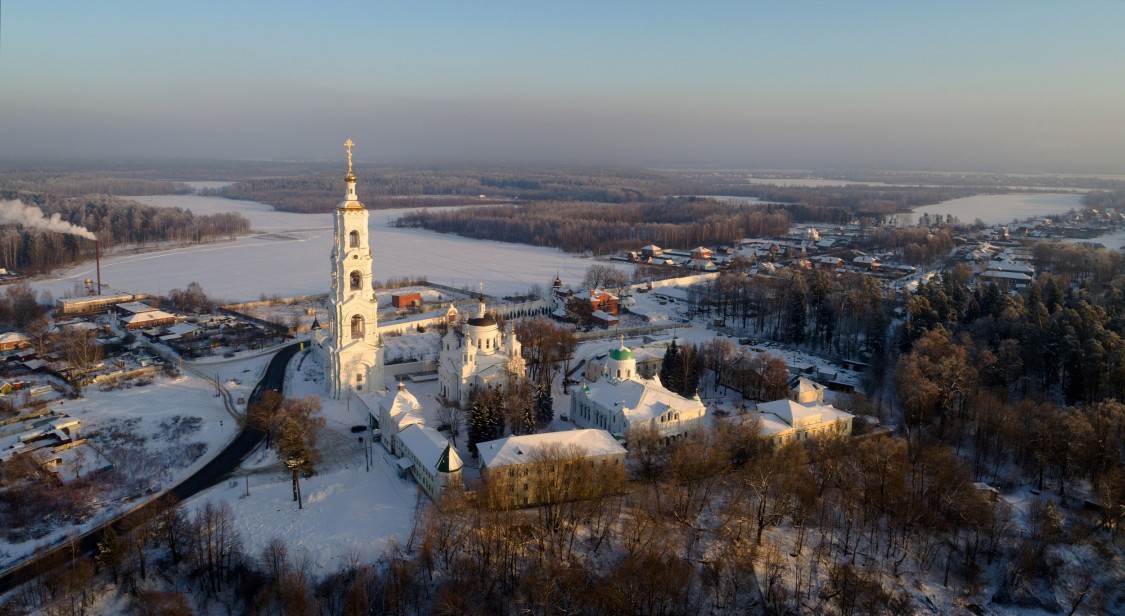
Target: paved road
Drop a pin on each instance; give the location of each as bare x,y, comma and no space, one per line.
215,471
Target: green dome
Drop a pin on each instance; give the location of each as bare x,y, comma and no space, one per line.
621,354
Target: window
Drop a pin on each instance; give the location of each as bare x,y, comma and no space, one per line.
359,378
357,280
357,327
353,239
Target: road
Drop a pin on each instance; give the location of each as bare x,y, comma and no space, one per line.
215,471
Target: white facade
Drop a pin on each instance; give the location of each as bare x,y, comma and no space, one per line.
478,355
621,401
421,451
353,352
785,420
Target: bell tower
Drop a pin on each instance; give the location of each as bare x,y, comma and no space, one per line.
354,351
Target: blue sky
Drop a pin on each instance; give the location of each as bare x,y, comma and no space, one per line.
1020,85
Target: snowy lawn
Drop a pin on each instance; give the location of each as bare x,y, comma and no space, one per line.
347,512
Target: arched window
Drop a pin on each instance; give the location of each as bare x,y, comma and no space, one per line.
357,326
353,239
357,279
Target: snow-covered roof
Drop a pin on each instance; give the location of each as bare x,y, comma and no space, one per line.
135,307
1007,266
181,329
426,444
13,338
1013,276
143,318
794,414
403,409
602,315
640,400
802,385
523,449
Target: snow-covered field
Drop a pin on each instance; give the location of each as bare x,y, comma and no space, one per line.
288,254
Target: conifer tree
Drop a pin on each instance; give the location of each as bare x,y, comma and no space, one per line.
544,405
671,375
798,297
486,416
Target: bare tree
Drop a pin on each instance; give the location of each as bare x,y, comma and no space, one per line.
300,426
451,419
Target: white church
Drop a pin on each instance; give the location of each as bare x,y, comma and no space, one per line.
477,354
622,400
353,350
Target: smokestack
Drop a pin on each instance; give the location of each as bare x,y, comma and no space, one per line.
98,262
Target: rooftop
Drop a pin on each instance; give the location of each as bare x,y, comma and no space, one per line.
525,448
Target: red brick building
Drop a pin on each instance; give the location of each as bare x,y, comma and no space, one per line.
601,300
406,300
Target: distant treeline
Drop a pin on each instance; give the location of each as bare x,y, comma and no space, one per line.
460,185
78,184
1100,199
858,200
114,220
578,227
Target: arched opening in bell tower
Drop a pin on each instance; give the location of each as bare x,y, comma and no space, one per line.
353,239
356,280
357,326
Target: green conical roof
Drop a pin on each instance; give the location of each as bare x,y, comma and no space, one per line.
449,461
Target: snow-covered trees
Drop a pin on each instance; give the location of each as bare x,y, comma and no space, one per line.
681,369
486,415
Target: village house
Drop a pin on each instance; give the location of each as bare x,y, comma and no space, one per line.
868,263
602,300
10,341
828,263
138,315
52,440
536,469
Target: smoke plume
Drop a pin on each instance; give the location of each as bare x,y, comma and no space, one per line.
30,216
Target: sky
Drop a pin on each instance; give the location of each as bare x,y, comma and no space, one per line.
1020,85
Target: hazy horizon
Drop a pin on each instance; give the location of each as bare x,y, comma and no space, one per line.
1005,86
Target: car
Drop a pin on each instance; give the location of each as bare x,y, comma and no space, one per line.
356,429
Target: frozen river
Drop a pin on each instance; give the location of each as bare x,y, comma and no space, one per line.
288,254
997,209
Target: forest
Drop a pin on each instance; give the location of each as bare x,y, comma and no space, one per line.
113,220
605,229
410,187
